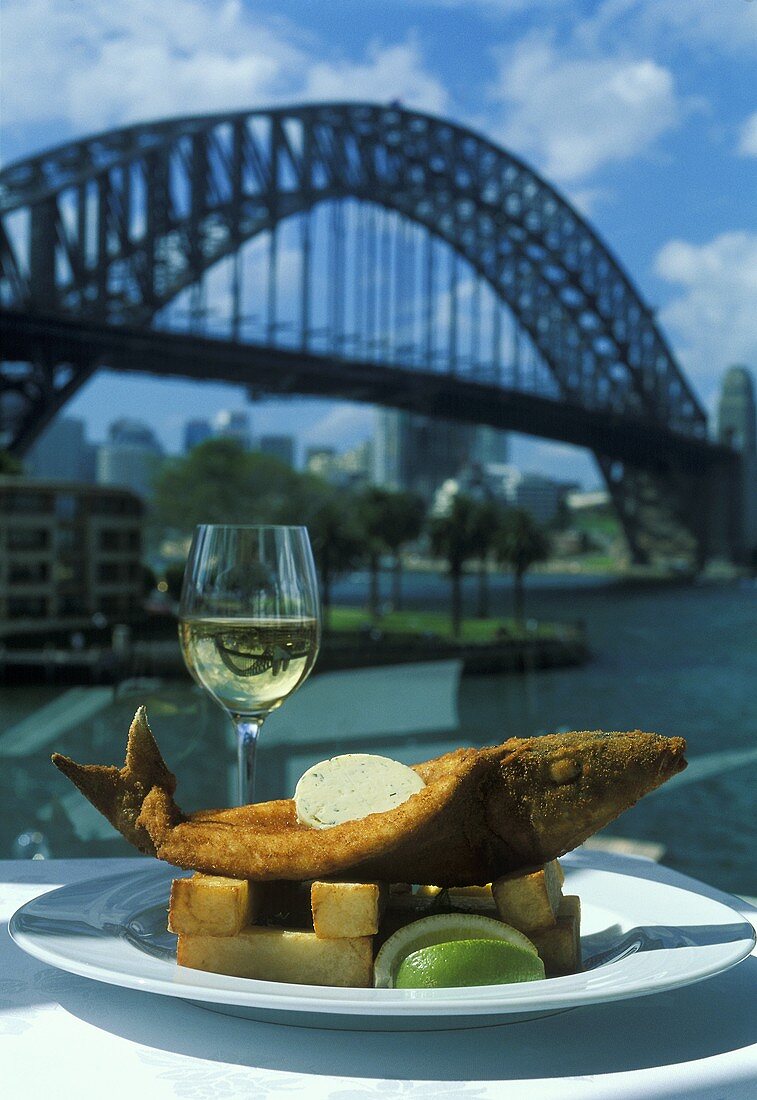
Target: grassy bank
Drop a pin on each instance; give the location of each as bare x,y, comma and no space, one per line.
428,625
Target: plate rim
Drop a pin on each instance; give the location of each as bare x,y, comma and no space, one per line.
299,1000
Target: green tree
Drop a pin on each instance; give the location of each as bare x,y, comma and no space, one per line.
337,541
220,482
452,537
372,514
405,522
520,543
9,466
486,520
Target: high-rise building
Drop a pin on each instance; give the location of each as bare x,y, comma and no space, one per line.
419,453
736,428
131,457
280,446
490,446
233,424
737,422
195,433
62,452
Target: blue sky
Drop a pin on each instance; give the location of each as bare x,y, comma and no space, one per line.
642,112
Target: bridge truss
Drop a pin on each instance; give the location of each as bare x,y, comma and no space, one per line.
346,249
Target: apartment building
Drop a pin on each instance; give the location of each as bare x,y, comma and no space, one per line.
68,551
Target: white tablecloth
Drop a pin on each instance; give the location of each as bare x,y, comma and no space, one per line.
63,1036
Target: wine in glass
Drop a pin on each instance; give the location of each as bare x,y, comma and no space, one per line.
249,624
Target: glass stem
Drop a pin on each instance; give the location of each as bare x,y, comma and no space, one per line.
247,741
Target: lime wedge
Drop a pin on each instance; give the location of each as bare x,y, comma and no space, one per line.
440,928
468,962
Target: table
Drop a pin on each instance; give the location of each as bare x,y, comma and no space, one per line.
67,1037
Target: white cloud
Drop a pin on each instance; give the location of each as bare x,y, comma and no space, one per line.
575,113
495,7
392,72
748,137
713,320
95,65
92,65
727,26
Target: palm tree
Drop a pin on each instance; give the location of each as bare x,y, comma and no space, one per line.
405,521
452,538
520,543
486,521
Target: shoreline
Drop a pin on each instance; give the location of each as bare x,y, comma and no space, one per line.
565,646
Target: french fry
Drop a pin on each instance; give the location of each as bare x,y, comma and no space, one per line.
212,905
345,910
529,900
559,947
281,955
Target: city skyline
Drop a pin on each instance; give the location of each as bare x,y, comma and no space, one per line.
318,423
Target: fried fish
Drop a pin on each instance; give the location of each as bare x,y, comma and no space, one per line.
482,813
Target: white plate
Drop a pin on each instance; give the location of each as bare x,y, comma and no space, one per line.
639,936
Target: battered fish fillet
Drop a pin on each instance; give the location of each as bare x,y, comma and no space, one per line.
483,812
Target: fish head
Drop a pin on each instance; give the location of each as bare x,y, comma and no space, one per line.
557,790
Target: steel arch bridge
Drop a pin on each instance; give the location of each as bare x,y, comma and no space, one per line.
387,256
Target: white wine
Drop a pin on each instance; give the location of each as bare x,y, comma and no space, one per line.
249,665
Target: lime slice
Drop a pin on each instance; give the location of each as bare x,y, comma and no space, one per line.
468,962
441,928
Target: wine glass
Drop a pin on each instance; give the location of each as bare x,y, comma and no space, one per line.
249,624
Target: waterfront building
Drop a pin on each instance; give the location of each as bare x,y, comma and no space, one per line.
67,552
280,446
540,496
356,464
349,470
62,451
131,457
195,433
233,424
319,460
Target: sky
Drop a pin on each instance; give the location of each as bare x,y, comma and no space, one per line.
641,112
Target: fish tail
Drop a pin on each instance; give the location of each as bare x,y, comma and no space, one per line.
118,793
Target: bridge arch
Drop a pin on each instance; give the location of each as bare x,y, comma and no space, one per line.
117,225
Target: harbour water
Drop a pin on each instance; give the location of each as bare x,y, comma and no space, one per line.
680,660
